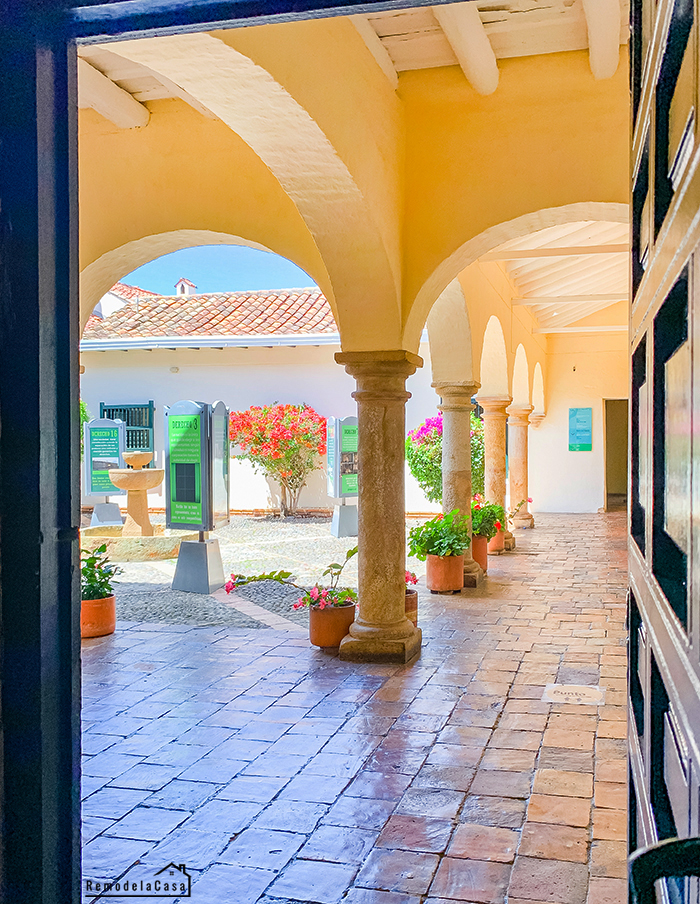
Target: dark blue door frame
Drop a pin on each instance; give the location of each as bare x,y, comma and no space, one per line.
39,447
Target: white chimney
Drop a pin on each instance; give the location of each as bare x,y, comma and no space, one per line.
185,287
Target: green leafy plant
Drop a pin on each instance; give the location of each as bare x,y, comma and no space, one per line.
97,573
84,418
317,595
487,517
424,456
444,535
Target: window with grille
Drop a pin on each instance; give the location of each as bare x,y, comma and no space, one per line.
139,421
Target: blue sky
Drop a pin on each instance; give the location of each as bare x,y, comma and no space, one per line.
219,268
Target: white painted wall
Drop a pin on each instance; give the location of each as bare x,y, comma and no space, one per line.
242,377
577,377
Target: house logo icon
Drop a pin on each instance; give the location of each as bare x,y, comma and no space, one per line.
171,881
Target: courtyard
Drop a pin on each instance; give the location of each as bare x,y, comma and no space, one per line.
215,737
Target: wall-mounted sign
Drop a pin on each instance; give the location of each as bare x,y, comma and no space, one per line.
197,465
580,429
342,457
103,444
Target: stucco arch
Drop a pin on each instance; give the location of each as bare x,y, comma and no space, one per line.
538,390
521,378
492,238
99,276
450,337
247,98
494,362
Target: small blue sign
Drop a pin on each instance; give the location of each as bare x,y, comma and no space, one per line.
580,429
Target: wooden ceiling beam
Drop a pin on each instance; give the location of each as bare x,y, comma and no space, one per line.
570,299
467,36
578,250
603,22
98,92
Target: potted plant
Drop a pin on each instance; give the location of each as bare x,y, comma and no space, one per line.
331,608
487,520
98,614
411,598
441,542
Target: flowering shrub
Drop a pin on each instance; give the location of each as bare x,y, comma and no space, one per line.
284,442
513,512
443,535
487,517
424,456
321,597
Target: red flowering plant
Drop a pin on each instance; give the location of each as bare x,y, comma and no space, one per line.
284,442
514,511
323,597
411,578
487,517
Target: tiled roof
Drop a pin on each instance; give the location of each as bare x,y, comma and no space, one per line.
130,293
283,312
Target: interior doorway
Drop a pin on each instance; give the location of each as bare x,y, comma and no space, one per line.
616,413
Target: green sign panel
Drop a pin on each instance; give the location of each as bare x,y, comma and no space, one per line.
103,455
348,459
185,444
580,429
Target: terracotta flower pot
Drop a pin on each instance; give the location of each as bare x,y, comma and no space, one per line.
98,617
328,626
480,551
412,606
497,544
445,573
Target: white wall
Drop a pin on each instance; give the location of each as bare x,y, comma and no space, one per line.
577,377
242,377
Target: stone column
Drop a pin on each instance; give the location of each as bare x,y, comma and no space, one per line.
494,418
456,406
381,631
518,422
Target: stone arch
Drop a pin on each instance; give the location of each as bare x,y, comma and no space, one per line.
494,362
521,378
99,276
450,337
538,390
248,99
491,238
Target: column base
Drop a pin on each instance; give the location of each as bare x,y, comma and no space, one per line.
525,521
473,574
380,649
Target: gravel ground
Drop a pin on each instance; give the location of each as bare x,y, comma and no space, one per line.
249,545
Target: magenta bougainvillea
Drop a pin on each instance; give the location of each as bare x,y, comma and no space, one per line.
424,456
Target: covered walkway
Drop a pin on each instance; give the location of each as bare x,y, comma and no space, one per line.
271,768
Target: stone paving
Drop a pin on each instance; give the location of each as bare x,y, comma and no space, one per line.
278,774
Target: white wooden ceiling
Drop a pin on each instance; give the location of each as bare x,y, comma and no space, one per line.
414,39
561,282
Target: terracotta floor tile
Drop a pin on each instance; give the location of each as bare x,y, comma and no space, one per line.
501,758
471,880
611,771
565,760
609,859
558,782
554,842
572,740
505,784
416,833
549,880
609,825
607,891
567,811
612,795
310,880
516,740
394,871
476,842
493,811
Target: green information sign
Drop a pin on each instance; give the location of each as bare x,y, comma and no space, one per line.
348,459
580,429
103,443
185,444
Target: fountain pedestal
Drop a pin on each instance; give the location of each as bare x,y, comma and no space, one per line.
137,480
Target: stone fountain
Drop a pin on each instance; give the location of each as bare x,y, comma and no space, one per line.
137,480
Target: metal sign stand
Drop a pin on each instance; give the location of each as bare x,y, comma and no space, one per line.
197,490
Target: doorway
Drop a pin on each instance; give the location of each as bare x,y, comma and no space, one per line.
616,413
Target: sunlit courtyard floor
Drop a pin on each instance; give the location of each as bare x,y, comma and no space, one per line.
276,773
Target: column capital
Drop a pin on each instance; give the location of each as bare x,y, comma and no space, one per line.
456,396
494,406
392,362
537,418
519,415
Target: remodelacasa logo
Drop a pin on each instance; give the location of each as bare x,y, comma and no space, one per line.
171,881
